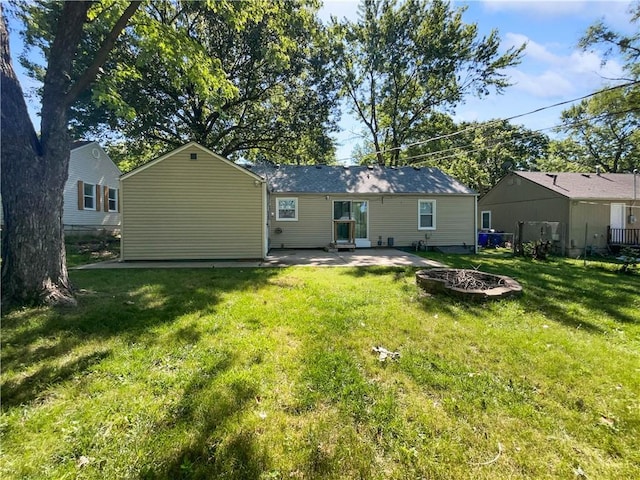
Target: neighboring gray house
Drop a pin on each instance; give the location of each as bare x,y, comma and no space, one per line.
194,204
91,193
601,207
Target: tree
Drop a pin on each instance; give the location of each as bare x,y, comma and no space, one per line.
35,167
405,63
479,154
610,42
242,78
607,127
563,155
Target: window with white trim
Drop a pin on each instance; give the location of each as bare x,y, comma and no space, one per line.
287,209
112,200
426,214
486,220
89,195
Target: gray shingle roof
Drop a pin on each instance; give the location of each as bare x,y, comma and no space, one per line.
586,185
80,143
331,179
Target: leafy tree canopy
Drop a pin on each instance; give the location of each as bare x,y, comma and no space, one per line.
403,65
607,127
481,153
245,79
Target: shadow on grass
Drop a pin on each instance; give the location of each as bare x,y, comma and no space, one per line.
37,343
30,387
398,272
556,287
210,404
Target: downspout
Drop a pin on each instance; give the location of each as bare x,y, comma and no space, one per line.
475,224
632,215
265,221
635,174
266,218
121,205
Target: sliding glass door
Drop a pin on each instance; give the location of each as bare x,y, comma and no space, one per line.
357,210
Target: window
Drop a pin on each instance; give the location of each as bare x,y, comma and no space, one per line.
112,200
426,214
486,220
287,209
89,196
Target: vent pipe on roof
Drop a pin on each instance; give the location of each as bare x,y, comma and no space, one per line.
598,170
555,177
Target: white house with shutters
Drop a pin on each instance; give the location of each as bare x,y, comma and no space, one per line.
91,194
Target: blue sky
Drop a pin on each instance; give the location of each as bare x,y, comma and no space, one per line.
553,68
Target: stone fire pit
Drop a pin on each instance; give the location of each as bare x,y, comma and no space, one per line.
469,284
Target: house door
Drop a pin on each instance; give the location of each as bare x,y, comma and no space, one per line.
617,215
357,210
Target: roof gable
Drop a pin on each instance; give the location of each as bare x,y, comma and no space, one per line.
91,152
359,180
182,148
585,185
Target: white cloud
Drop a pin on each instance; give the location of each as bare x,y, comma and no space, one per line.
590,63
533,50
547,74
548,84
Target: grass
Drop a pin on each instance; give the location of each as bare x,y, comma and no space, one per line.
269,374
83,249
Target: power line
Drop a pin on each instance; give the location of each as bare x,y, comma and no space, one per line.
495,144
493,122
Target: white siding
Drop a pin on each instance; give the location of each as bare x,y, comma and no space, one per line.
90,164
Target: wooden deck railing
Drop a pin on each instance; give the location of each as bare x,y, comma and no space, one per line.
623,236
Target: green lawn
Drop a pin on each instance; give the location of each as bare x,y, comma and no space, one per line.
269,374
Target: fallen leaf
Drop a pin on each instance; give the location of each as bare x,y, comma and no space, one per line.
604,420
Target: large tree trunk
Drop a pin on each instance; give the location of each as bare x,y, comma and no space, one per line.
34,171
33,255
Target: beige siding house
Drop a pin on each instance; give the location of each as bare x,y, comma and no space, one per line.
314,206
600,208
192,204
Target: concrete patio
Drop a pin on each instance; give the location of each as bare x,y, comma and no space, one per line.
369,257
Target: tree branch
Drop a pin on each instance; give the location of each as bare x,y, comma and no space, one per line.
92,71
